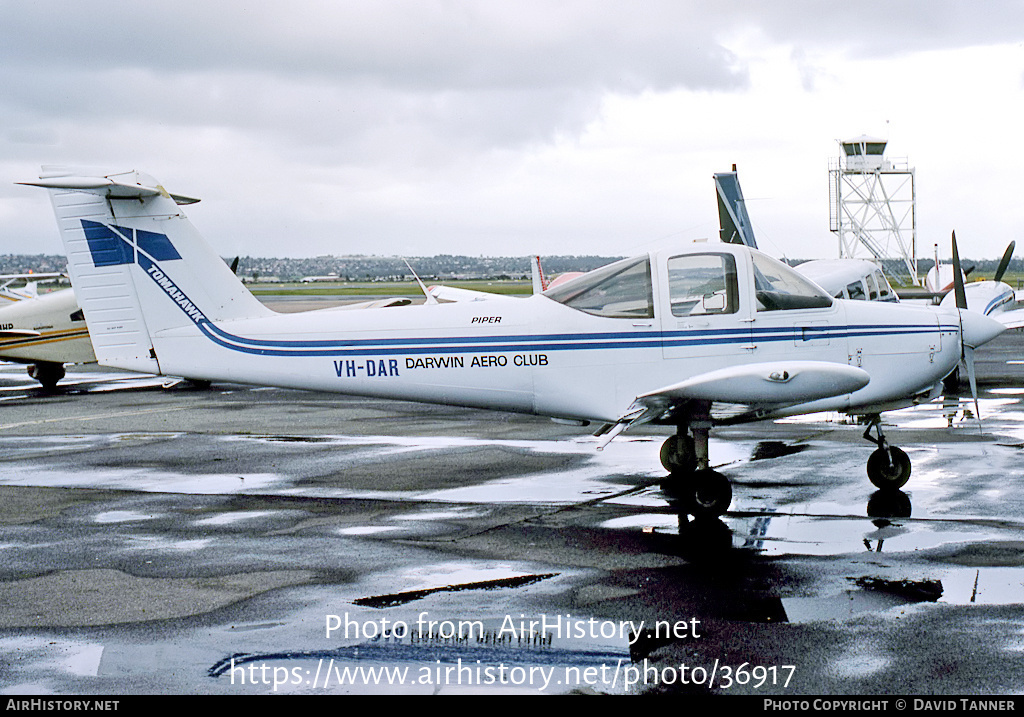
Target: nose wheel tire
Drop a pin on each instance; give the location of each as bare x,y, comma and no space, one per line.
889,468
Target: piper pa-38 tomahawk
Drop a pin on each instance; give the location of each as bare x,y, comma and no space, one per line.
704,335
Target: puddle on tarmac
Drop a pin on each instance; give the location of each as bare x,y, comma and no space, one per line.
803,534
401,598
368,530
234,517
455,627
50,654
124,516
142,479
479,663
983,586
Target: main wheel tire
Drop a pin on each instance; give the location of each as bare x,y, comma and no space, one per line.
678,454
889,468
47,373
709,494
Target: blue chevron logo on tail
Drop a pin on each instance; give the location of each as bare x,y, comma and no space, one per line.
113,245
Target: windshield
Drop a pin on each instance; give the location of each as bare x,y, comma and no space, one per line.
619,290
777,287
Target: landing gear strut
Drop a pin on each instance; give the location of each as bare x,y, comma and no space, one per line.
705,492
888,466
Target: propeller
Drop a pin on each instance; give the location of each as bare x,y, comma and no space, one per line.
1004,263
966,349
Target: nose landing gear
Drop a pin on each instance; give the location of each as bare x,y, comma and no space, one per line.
888,466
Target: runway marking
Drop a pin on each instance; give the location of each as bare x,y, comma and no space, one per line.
96,417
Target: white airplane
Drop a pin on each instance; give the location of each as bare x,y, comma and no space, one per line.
9,292
854,279
696,337
995,298
45,332
863,280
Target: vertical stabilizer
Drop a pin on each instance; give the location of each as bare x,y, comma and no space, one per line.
732,210
540,282
129,249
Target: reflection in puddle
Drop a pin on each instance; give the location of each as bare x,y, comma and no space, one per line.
477,663
984,586
394,599
765,450
909,590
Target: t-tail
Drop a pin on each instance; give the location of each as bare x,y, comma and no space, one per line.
129,247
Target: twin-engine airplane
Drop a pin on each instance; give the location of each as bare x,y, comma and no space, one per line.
700,336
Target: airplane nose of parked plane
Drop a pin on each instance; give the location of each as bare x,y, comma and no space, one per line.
979,329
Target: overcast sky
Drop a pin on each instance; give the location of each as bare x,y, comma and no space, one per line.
421,127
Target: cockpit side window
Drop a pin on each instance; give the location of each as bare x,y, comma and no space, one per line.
856,290
703,284
885,292
872,287
620,290
778,288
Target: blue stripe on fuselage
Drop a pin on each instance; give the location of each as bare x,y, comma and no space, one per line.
512,342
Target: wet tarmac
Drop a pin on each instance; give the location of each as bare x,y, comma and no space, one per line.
240,540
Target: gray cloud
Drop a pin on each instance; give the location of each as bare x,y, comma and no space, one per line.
419,104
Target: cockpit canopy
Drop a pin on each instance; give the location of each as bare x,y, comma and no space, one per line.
703,282
619,290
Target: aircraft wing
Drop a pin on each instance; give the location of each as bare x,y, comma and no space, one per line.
1011,319
452,294
770,385
373,304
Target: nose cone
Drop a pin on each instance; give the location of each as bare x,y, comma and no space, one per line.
979,329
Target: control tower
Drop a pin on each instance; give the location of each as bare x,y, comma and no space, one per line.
872,204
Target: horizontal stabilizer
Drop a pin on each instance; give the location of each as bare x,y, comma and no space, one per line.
33,277
18,334
107,187
766,384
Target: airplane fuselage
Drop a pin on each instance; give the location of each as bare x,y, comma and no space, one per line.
46,328
537,355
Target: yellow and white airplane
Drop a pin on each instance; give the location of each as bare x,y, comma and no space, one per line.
696,337
44,331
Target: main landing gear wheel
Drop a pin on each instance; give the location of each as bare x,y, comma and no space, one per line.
704,494
889,468
47,373
710,494
678,454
